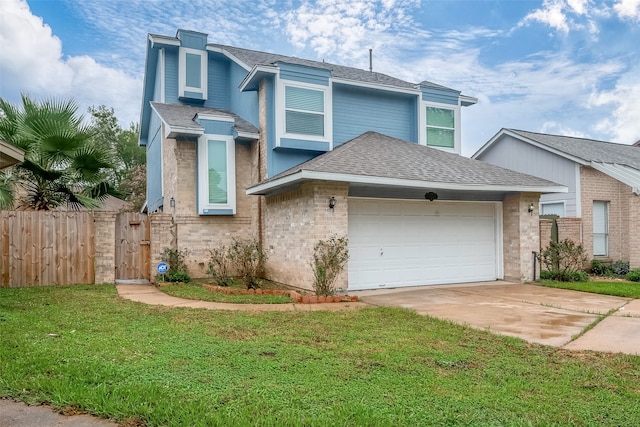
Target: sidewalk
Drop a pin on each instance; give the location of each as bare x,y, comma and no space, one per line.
149,294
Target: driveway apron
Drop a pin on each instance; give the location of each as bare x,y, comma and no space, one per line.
534,313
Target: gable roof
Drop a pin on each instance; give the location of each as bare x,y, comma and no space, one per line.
619,161
180,119
373,158
588,150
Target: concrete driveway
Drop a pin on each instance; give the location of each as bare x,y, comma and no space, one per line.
534,313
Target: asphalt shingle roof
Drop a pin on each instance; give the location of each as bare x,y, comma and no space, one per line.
375,155
177,115
252,58
589,150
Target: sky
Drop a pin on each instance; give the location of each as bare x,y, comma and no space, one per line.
566,67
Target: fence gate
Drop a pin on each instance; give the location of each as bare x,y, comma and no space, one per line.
133,251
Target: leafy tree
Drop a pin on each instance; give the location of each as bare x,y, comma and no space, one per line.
129,175
62,164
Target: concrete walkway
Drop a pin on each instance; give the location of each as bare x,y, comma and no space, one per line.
149,294
534,313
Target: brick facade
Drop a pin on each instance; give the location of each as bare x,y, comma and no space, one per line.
521,236
294,222
623,204
105,246
568,228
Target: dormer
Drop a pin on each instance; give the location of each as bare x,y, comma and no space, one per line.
192,66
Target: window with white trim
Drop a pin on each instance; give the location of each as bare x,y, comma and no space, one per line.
192,73
305,112
556,208
216,175
441,127
600,228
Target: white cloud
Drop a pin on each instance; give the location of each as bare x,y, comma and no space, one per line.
347,28
629,9
552,14
623,105
32,61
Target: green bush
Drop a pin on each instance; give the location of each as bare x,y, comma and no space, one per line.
633,275
175,258
329,259
620,268
243,259
564,261
599,268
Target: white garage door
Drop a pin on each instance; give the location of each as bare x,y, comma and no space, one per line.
395,243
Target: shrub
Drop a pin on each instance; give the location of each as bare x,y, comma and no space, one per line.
247,259
244,259
177,267
620,268
633,275
329,259
563,260
599,268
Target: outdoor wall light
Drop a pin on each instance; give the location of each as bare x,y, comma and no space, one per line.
530,209
172,202
431,196
332,202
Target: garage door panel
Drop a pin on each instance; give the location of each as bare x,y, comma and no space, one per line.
407,243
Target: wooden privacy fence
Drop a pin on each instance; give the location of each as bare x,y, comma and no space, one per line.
42,248
46,248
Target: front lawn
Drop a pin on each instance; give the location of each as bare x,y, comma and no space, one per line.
197,292
83,347
616,288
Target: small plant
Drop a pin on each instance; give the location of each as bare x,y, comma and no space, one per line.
244,259
599,268
219,267
178,271
633,275
620,268
248,259
329,259
564,261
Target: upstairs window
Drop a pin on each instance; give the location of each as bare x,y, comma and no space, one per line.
441,127
216,175
304,111
192,74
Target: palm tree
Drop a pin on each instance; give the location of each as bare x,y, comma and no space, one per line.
61,164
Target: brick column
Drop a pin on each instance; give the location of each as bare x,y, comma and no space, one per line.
162,236
521,234
105,246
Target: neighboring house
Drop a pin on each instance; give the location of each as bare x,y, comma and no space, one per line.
247,144
10,155
603,181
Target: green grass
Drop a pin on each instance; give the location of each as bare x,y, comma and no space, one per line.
197,292
619,288
84,347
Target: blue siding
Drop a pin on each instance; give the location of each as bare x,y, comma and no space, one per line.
216,127
154,160
218,82
171,75
299,144
441,96
357,110
157,88
302,74
244,104
192,39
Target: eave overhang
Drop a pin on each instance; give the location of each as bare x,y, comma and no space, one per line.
279,184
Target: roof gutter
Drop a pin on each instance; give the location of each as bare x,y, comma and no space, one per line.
305,175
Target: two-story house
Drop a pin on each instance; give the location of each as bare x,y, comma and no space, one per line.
247,144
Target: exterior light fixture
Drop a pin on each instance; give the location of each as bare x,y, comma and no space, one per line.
332,203
431,196
530,209
172,202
